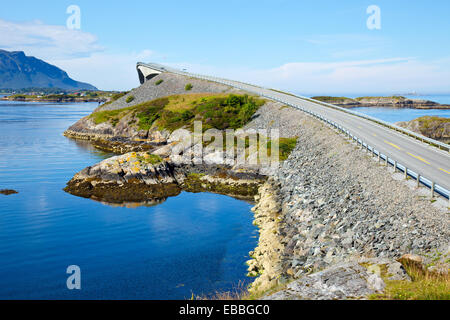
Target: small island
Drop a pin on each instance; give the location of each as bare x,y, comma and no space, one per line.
393,101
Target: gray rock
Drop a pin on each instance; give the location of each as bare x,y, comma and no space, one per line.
342,281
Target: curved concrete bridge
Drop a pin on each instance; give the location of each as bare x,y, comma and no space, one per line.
147,72
420,158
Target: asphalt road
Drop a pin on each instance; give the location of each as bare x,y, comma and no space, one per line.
428,161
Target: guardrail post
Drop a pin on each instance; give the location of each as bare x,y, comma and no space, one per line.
406,173
395,166
379,156
387,161
432,190
418,180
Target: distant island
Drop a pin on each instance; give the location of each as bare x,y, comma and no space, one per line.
61,96
18,71
393,101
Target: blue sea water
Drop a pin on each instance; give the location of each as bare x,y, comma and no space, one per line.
394,115
192,243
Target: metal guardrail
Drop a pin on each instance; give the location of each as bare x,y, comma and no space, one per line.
440,145
408,173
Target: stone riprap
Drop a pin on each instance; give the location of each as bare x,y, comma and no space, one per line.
336,202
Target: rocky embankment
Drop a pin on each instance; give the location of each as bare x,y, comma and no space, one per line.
394,102
436,128
334,206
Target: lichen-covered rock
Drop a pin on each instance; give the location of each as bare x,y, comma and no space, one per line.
130,177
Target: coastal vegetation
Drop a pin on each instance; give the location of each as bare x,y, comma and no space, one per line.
157,83
188,87
217,111
130,99
328,99
424,285
437,128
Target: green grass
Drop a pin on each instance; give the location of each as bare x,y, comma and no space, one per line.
217,111
104,116
157,83
286,147
129,99
188,87
424,286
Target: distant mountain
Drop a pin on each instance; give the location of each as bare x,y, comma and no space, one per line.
19,71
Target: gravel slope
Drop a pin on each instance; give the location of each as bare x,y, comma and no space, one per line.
337,202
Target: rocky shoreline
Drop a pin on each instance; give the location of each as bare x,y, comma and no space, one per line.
142,176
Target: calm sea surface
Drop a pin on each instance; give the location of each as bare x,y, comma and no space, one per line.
401,114
192,243
395,115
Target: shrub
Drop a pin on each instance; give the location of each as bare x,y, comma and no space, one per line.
188,87
118,95
187,115
157,83
129,99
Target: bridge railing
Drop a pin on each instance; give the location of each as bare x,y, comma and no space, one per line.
440,145
388,161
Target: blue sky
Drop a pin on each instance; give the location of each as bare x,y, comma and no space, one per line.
320,47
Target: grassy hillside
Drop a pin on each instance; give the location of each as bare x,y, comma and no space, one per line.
220,111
